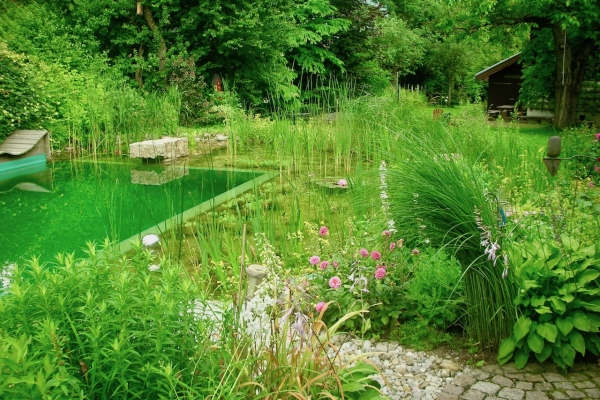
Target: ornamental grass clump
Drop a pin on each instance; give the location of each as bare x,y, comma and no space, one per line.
439,197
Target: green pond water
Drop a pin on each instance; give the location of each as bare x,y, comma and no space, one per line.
61,207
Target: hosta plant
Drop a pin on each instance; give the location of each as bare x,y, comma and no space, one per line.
559,288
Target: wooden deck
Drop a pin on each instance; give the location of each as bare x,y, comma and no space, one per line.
20,142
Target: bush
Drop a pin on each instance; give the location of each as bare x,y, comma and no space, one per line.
106,327
558,298
24,103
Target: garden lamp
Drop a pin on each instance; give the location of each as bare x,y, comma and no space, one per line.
551,160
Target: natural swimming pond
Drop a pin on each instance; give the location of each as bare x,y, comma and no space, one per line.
60,208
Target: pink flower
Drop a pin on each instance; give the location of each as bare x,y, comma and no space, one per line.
415,252
320,306
324,264
386,233
596,168
380,273
400,243
314,260
597,136
323,231
375,255
335,264
591,184
392,246
342,183
335,282
364,252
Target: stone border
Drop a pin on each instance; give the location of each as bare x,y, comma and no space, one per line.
168,224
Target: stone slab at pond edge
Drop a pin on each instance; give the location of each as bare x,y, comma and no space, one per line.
166,147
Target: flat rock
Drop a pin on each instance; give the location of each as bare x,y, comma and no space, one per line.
167,147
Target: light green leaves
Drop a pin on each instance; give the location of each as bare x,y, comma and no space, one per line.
565,325
521,328
505,352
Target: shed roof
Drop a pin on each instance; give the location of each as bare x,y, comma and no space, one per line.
485,74
20,142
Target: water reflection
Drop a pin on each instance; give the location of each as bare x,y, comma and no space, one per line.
37,178
75,202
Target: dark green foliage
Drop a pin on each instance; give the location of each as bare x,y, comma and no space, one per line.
539,69
194,101
24,103
558,286
105,327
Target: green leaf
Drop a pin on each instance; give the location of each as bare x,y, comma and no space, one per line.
581,322
576,340
530,283
548,331
385,320
546,352
535,342
558,305
371,394
543,310
505,352
521,358
586,276
352,387
521,327
570,244
567,354
537,301
564,325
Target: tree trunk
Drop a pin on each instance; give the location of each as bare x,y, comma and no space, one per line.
570,71
450,84
162,46
138,71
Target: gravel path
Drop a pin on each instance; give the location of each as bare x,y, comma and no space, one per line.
408,374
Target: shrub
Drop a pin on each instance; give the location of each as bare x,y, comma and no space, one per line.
107,327
558,299
24,104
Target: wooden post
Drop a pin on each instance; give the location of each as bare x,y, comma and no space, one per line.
140,8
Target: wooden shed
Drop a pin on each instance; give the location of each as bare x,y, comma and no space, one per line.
24,148
505,79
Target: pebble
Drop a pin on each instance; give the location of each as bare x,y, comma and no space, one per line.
404,373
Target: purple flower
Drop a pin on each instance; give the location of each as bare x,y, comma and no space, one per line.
375,255
314,260
386,233
392,246
320,306
342,183
335,282
298,326
324,264
380,273
323,231
364,252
